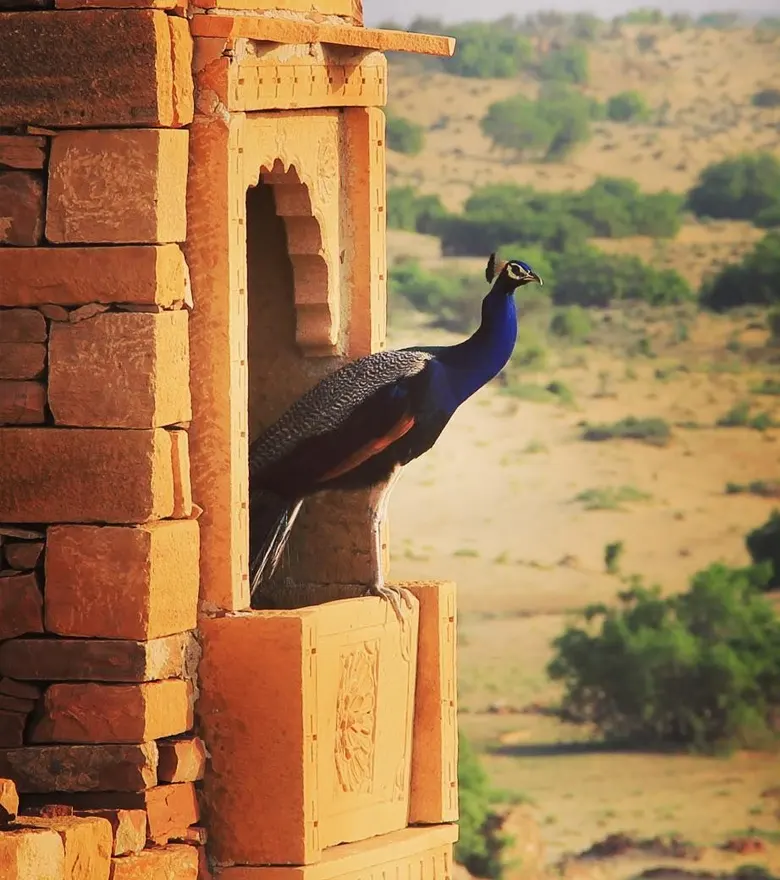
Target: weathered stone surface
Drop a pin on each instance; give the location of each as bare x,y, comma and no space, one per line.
21,208
21,605
23,555
118,186
20,689
22,705
9,801
22,403
128,826
54,312
114,713
21,360
98,68
182,486
22,151
121,370
124,583
12,726
71,474
32,854
114,4
174,861
99,659
86,840
22,325
155,274
81,767
181,760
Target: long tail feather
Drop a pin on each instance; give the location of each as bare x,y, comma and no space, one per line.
271,519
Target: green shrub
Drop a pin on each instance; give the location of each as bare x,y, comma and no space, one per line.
759,488
763,545
404,136
565,64
740,416
654,431
571,323
612,555
610,497
481,842
737,189
697,669
407,209
629,106
753,281
766,98
451,298
767,386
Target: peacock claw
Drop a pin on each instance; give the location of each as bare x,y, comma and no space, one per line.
393,595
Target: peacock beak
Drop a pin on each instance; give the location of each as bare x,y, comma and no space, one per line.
532,276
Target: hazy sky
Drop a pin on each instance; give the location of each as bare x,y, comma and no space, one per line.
402,11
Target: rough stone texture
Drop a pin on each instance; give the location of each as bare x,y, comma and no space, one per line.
173,862
118,186
81,768
145,274
22,403
121,370
182,486
99,659
16,704
23,555
321,748
98,68
128,826
422,853
21,208
19,689
32,854
183,84
85,475
21,605
114,713
434,795
9,801
22,151
86,840
181,760
12,726
123,583
21,360
22,325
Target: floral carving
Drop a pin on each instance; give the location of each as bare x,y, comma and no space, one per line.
356,718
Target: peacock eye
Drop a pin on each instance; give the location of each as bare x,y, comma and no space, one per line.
512,272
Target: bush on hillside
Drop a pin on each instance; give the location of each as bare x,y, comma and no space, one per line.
697,669
753,281
737,189
404,136
766,98
763,545
571,323
569,114
452,298
629,106
481,844
407,209
565,64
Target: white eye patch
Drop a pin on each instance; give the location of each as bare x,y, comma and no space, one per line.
512,272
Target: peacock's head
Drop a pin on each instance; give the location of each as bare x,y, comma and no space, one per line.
510,274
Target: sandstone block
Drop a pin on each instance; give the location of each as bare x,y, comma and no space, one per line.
19,689
120,186
21,208
9,801
21,605
87,475
23,555
128,827
146,274
98,68
121,370
99,659
22,705
422,853
22,403
32,854
321,748
86,841
181,760
173,862
21,360
22,151
124,583
114,713
81,767
434,797
182,485
22,325
12,726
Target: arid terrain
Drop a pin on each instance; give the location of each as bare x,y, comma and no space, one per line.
493,506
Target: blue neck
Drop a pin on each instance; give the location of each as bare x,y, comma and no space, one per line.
473,363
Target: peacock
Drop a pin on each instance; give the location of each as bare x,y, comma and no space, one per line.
361,424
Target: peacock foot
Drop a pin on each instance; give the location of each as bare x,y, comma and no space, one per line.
395,596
